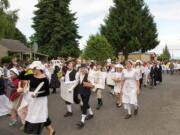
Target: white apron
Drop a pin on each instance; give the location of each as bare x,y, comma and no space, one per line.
100,80
117,86
4,105
129,88
110,76
37,109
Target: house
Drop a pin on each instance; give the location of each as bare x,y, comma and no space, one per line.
148,56
10,47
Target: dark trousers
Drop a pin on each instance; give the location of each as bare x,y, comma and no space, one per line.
153,81
48,122
36,128
141,81
85,100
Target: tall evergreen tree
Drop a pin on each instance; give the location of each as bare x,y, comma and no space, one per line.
56,30
130,27
166,52
165,56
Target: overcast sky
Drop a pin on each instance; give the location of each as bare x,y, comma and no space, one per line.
90,14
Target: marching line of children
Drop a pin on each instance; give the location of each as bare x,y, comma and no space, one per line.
30,89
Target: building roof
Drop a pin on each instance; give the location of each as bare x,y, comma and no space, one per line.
14,45
146,53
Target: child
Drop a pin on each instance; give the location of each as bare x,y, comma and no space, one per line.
15,96
23,88
85,87
117,86
99,85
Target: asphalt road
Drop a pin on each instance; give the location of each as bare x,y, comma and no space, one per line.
159,114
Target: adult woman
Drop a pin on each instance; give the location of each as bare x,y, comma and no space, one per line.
130,89
37,115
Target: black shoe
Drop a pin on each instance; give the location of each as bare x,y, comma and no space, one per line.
127,116
68,114
88,117
80,125
136,111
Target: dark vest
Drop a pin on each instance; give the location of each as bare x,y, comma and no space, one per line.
72,75
84,90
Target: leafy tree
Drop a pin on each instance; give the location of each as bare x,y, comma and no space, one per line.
130,27
20,36
98,49
56,30
8,20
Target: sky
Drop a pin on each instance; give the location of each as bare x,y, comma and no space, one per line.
90,14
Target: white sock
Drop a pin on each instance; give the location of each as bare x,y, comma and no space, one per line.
69,108
129,109
83,118
81,103
90,111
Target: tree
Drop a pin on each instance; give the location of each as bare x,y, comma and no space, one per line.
165,56
56,30
130,27
4,4
8,20
98,49
20,36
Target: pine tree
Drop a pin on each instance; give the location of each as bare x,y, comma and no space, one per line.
130,27
166,52
56,30
165,56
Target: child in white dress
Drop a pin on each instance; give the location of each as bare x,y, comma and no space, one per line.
117,87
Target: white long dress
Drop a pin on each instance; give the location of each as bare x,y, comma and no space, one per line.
129,89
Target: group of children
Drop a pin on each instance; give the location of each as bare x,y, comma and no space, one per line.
28,90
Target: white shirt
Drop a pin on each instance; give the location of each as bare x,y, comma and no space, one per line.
67,79
81,78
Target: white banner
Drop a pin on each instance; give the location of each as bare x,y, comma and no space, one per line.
100,79
66,92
